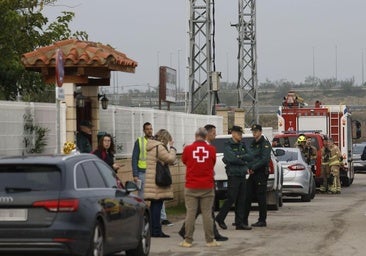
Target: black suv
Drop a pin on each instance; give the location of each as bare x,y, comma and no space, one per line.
69,205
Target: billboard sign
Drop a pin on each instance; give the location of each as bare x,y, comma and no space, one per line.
167,84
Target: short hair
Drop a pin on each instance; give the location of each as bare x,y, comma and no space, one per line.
201,132
209,127
146,124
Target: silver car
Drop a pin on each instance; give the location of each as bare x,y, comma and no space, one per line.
298,179
358,164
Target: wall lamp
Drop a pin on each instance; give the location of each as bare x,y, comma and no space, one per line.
104,100
80,99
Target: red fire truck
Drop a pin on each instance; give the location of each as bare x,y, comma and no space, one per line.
317,121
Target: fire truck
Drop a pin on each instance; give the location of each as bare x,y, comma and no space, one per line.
296,117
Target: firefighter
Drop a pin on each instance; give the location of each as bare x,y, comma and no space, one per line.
334,164
310,153
325,169
300,143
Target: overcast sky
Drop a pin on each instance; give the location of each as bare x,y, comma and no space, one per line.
291,36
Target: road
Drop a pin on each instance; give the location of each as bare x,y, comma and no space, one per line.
330,225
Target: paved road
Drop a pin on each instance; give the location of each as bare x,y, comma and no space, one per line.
330,225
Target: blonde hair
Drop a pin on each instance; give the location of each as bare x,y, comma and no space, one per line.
163,136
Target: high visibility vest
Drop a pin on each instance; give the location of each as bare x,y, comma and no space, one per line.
142,156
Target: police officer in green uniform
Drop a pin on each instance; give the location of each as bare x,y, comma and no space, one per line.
83,137
235,159
258,172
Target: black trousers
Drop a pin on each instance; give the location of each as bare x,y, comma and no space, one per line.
256,187
235,195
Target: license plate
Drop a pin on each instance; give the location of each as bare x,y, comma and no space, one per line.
13,214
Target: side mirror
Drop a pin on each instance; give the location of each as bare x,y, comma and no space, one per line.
131,186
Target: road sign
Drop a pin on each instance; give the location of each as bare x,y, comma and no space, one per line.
60,71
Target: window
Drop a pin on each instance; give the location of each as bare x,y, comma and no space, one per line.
108,174
93,176
32,177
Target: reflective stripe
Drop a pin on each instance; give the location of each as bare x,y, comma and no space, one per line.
142,156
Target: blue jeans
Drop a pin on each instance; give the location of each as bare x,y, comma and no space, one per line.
142,178
155,209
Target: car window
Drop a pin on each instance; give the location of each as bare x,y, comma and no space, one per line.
81,180
32,177
93,176
108,174
289,156
358,149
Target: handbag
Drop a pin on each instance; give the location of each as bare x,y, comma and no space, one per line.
163,178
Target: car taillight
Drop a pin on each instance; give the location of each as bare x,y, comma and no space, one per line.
271,167
62,205
296,167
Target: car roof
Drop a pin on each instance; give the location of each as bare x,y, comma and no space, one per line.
45,159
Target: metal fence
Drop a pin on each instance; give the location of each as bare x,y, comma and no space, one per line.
124,123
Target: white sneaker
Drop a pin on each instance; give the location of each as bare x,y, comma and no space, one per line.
185,244
214,243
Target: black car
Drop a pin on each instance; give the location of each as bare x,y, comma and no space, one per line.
69,205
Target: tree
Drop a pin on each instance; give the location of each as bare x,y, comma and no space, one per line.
23,29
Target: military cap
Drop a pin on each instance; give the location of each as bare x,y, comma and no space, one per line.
236,128
256,127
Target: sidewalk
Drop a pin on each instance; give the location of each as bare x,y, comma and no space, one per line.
170,246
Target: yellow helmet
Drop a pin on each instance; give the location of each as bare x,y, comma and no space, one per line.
301,138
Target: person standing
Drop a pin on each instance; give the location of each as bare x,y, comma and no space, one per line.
139,165
310,153
211,135
235,157
334,165
139,157
106,151
200,159
325,169
258,176
158,149
83,137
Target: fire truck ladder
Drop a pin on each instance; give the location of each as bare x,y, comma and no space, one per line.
334,126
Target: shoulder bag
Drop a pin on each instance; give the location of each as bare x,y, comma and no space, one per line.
163,178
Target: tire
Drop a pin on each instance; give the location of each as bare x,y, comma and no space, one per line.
97,241
281,201
143,247
345,181
313,189
307,197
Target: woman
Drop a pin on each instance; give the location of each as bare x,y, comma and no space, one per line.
105,151
158,149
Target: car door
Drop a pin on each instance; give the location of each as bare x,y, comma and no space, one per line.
122,207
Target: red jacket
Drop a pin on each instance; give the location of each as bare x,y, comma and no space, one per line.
200,159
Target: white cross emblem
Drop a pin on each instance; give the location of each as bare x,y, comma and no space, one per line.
200,154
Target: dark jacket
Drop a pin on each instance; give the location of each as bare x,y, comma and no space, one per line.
235,158
105,156
83,142
261,151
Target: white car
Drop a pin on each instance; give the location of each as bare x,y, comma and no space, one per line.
274,185
298,179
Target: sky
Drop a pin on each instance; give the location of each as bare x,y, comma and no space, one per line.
295,38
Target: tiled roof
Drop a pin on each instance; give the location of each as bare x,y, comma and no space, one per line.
79,54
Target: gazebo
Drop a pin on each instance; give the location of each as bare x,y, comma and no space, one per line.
87,65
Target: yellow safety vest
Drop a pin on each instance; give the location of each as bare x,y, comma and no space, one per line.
142,157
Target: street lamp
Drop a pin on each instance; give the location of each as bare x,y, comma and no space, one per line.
104,100
80,99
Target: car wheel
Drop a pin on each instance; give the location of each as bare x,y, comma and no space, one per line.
313,189
345,182
307,197
97,241
281,201
143,247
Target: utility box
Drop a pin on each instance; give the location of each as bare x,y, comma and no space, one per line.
215,76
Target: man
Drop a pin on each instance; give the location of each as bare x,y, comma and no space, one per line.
276,143
334,165
310,153
83,137
258,176
139,165
325,169
235,157
211,135
200,159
